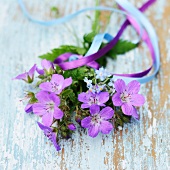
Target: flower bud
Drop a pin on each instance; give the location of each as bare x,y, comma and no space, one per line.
28,108
64,135
63,128
78,118
71,126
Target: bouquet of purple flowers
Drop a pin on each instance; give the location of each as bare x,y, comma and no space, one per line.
88,96
74,90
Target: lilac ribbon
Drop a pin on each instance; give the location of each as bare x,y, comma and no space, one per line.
66,56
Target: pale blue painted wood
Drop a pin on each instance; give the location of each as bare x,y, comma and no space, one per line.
141,145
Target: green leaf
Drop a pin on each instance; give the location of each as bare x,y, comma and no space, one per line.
32,100
76,74
121,47
89,37
68,93
63,49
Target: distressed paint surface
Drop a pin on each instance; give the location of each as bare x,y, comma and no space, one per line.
142,145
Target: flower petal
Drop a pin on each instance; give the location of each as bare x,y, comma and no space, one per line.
40,71
127,109
107,113
135,114
137,100
106,127
55,99
84,97
93,131
133,87
103,97
23,76
94,109
120,85
117,100
57,78
38,109
83,106
32,71
67,82
43,97
46,64
47,119
54,140
58,113
42,127
86,122
46,86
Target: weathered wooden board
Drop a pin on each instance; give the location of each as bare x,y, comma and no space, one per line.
142,145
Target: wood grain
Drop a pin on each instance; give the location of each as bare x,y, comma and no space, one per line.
142,145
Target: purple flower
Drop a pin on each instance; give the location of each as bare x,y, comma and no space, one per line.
57,84
27,76
71,126
47,66
28,108
127,97
48,132
89,99
47,107
97,121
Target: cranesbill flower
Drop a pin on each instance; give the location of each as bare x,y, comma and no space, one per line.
47,107
89,99
71,126
47,66
48,132
127,97
97,121
57,84
27,76
102,74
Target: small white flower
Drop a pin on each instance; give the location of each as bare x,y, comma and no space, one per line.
96,88
102,74
100,88
89,82
92,89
